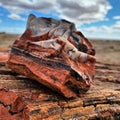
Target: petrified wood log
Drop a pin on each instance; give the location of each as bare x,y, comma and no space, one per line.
101,102
55,54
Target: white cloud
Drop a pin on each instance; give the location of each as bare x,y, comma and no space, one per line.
116,26
103,32
116,17
24,6
78,11
15,17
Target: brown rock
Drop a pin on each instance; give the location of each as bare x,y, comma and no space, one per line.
55,54
4,56
12,107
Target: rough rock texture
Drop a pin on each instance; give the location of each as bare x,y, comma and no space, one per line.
4,56
12,107
55,54
101,102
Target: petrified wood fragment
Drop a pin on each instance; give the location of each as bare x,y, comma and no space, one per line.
12,106
3,56
55,54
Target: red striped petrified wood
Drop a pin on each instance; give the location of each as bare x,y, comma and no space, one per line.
12,106
55,54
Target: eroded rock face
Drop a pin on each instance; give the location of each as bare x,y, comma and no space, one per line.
55,54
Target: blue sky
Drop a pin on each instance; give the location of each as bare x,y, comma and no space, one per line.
94,18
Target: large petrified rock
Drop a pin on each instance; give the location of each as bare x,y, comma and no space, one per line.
55,54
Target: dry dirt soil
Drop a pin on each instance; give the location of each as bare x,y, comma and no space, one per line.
107,51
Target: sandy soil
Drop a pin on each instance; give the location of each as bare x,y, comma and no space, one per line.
6,40
107,51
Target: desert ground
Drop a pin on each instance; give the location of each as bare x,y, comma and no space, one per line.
107,51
